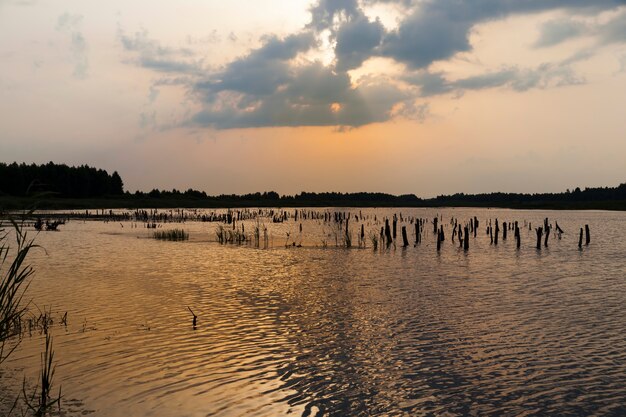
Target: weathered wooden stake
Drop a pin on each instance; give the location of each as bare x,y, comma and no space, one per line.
405,241
417,231
587,235
438,240
387,232
495,240
539,234
580,239
466,239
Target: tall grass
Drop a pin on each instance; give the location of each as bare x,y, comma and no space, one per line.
14,280
174,235
41,401
14,274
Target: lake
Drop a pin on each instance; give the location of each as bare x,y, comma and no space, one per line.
302,325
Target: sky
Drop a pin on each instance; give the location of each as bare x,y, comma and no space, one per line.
426,97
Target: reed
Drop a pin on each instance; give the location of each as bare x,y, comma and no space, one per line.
14,274
41,401
174,235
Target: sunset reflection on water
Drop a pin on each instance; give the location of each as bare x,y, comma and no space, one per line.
329,330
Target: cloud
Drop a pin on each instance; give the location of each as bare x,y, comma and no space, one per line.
356,41
310,95
279,84
439,29
554,32
328,13
519,79
261,71
70,24
149,53
615,30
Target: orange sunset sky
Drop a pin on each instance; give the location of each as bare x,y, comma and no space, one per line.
425,97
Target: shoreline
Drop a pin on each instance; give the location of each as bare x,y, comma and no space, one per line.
23,203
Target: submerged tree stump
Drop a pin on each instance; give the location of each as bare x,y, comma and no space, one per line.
405,241
539,234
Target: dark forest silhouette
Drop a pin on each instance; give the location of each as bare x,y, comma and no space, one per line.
85,183
69,182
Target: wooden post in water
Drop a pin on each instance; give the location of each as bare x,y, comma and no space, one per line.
587,235
395,224
438,240
475,225
466,239
347,236
495,240
387,232
580,239
545,243
435,228
417,231
362,234
405,241
504,227
539,233
517,236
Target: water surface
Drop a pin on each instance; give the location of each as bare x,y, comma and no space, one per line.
325,330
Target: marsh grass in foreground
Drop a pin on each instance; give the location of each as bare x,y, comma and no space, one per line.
14,276
174,235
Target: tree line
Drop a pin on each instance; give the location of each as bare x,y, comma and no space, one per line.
81,182
63,181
